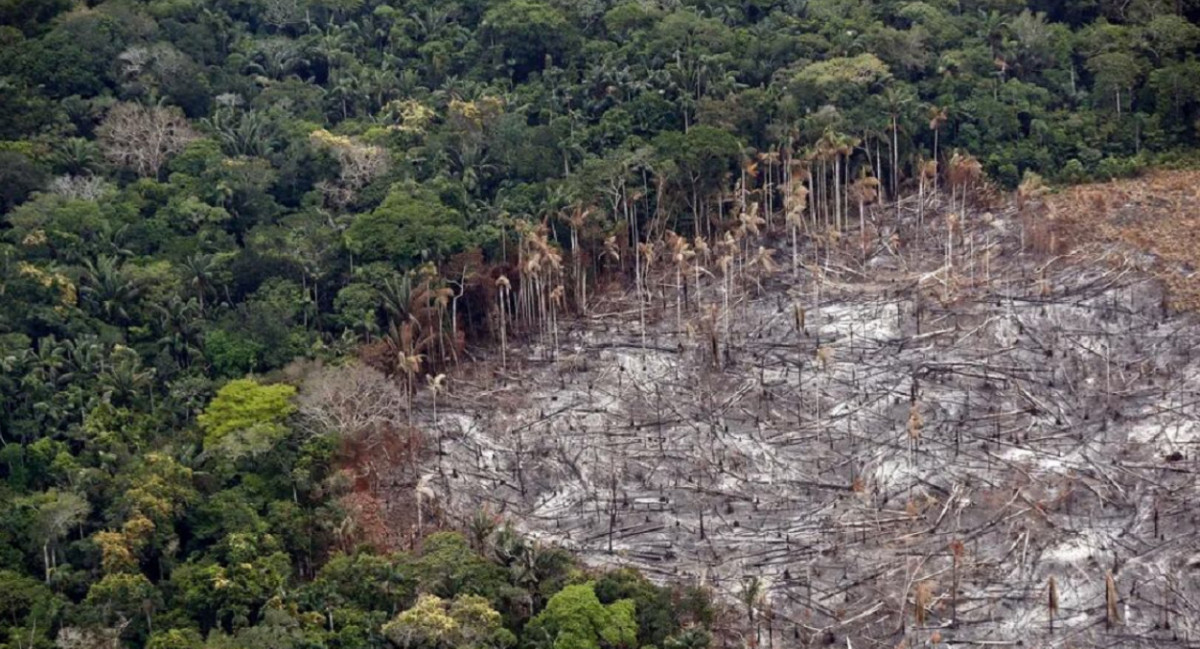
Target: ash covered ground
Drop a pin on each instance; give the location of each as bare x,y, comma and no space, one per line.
884,447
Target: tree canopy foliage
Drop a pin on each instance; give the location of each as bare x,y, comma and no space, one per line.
194,191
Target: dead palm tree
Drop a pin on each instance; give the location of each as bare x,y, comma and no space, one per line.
964,172
410,366
436,384
1051,601
577,220
928,173
937,117
542,270
441,297
557,303
703,255
1032,188
826,150
764,261
681,255
726,263
503,287
951,226
771,159
797,203
423,492
646,256
749,170
611,249
749,220
864,190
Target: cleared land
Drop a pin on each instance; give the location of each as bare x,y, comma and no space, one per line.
913,441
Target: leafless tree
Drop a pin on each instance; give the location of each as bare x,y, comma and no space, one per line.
281,13
142,138
85,188
360,163
74,637
350,400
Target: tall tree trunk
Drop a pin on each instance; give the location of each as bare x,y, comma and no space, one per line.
896,166
936,164
837,192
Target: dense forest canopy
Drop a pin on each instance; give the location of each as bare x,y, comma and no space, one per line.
197,191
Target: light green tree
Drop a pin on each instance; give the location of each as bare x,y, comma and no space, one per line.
246,417
575,619
466,622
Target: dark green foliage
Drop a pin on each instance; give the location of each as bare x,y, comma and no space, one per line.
410,226
19,177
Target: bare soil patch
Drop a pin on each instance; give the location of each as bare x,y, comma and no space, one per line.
907,444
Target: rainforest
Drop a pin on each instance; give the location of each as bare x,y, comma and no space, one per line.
598,324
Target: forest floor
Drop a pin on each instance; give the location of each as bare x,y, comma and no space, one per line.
906,444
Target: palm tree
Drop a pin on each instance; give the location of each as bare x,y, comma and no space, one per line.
864,190
437,384
937,117
764,260
797,203
754,595
646,253
242,133
681,256
178,334
410,364
964,172
845,145
108,289
124,377
557,303
825,150
897,99
577,220
505,287
76,156
399,300
277,57
198,271
423,493
928,172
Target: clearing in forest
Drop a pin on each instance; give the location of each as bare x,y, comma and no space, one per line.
982,431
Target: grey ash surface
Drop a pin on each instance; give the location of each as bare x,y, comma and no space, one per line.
1044,417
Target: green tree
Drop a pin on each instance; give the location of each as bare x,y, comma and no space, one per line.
575,619
55,513
19,177
527,33
699,158
411,225
448,567
466,622
124,596
246,417
28,610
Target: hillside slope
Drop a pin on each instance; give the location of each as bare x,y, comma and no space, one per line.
870,437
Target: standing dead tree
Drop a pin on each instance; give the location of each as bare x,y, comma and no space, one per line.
143,138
